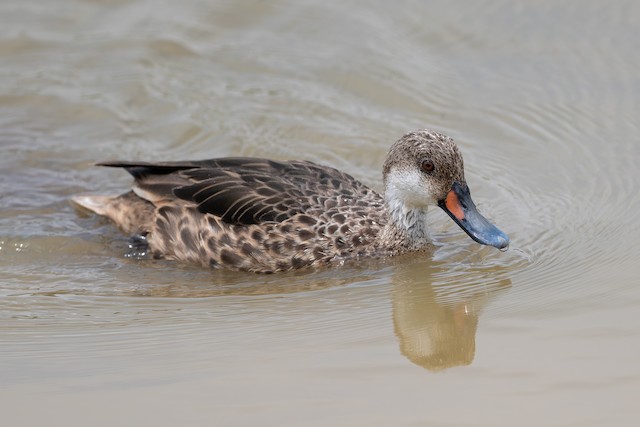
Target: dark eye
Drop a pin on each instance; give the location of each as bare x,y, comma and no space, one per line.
427,166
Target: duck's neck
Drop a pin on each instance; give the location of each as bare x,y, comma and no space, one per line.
407,225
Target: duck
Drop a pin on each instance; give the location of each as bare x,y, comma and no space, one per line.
266,216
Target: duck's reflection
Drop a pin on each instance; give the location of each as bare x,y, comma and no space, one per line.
435,312
436,305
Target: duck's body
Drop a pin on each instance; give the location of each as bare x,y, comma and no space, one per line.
266,216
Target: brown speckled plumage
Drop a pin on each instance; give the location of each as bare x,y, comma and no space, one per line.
266,216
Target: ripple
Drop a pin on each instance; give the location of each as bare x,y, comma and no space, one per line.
566,217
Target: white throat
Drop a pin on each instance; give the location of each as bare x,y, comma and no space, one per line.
408,196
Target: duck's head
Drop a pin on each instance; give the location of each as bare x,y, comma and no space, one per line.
425,168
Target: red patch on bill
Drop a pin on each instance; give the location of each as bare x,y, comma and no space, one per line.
453,205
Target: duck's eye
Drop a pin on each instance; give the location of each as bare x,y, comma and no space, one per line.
427,166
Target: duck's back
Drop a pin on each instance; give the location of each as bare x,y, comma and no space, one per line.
246,213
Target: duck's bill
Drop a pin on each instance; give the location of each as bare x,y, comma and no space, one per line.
462,210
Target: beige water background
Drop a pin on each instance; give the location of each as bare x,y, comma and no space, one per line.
542,98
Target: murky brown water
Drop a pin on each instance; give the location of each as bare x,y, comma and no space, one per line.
543,99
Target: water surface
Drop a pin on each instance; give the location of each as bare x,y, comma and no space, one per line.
542,99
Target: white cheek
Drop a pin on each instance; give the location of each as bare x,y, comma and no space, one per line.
410,188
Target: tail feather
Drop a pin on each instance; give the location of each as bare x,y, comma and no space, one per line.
94,203
131,213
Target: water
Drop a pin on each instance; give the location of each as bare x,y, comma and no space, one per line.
540,96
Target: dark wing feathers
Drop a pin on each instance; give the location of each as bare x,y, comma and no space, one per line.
242,190
237,201
241,195
140,170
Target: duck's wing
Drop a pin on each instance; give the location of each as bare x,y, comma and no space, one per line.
244,190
